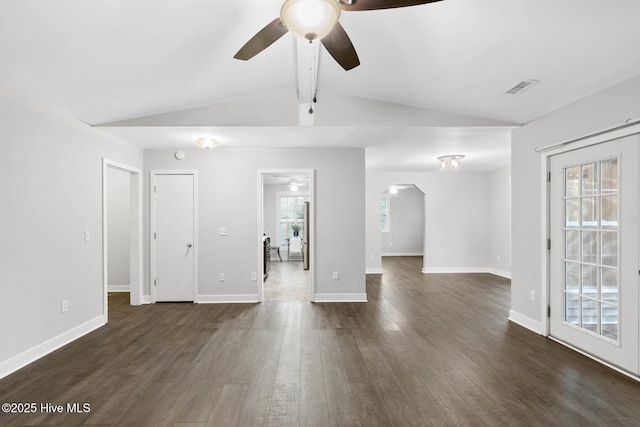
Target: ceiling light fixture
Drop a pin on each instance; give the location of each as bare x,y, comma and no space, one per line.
452,160
293,186
310,19
393,189
207,143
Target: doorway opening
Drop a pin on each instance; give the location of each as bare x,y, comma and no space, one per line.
286,228
402,221
121,231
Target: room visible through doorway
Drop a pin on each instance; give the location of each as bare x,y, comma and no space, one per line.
287,231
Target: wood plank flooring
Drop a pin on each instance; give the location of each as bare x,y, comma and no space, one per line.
428,350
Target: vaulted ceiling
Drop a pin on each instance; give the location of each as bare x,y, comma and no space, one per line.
432,80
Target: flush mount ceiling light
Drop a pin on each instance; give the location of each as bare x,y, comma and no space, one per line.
318,19
393,189
207,143
452,160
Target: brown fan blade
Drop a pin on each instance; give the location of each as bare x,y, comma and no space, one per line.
358,5
339,45
262,40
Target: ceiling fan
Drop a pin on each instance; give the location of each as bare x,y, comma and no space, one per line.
318,19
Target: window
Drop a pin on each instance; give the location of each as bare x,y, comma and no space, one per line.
290,213
385,218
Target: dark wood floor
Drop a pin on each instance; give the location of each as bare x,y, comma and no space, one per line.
426,350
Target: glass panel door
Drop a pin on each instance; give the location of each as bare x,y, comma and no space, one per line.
590,262
594,250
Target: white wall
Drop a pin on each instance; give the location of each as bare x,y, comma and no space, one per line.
457,218
118,229
228,183
500,221
51,193
406,224
594,113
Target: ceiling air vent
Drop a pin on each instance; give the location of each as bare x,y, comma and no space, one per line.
522,86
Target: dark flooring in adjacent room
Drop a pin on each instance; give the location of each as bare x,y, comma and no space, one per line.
427,349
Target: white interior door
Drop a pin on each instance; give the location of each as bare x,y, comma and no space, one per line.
174,237
594,251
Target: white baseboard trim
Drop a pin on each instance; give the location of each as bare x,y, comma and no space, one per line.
340,298
526,322
447,270
438,270
501,273
23,359
374,271
223,299
146,299
119,288
402,254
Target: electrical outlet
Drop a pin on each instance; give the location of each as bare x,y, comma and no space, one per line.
223,231
64,306
87,236
532,295
222,277
336,275
254,277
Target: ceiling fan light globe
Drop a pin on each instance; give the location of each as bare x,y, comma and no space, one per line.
310,19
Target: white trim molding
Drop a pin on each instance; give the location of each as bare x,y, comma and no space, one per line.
136,261
402,254
527,322
447,270
224,299
119,288
340,298
501,273
23,359
374,271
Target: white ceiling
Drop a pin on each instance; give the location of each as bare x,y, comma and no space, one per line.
443,68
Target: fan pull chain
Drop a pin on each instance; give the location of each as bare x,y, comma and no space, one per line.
311,84
315,89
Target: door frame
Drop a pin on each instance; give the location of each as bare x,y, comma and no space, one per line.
135,233
545,214
312,227
152,225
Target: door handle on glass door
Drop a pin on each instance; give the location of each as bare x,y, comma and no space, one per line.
189,245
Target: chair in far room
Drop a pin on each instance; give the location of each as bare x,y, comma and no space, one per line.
294,249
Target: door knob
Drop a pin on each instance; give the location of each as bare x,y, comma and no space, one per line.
189,245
